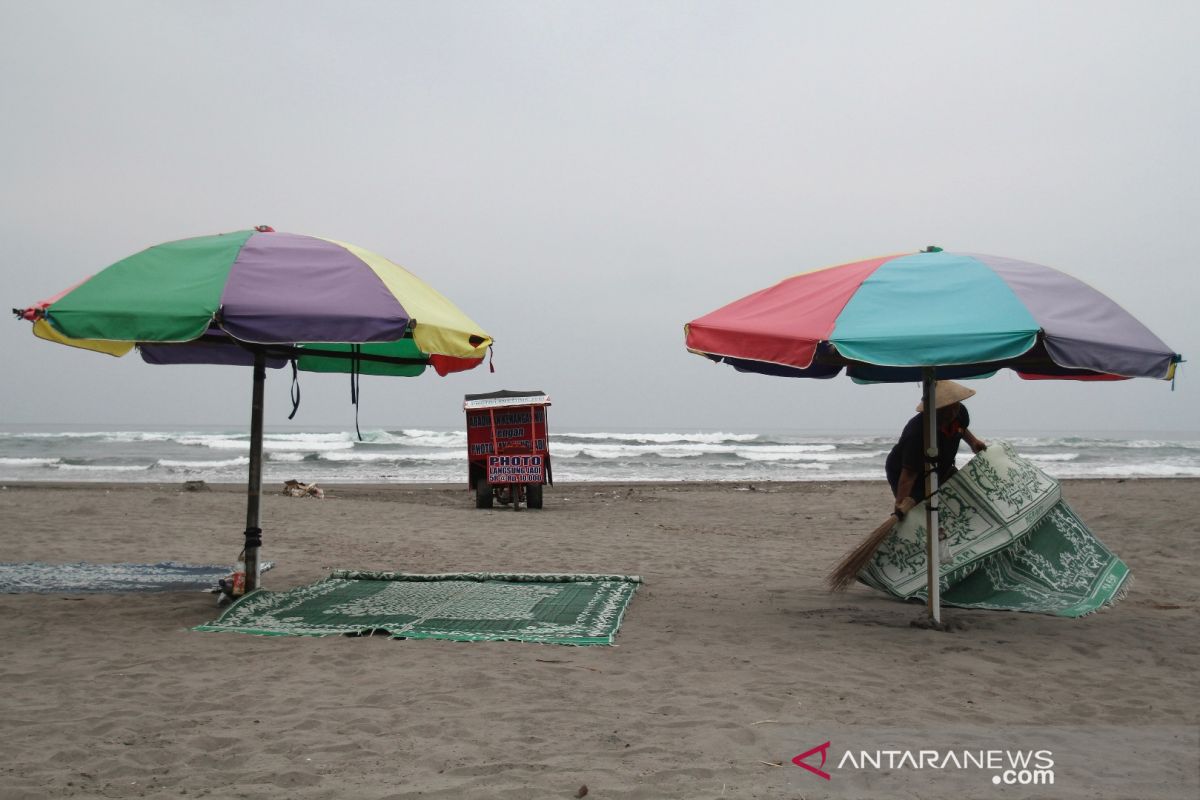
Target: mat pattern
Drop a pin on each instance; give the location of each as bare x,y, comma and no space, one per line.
167,576
1013,545
551,609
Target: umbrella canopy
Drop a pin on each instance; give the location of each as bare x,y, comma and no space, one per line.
217,299
264,299
929,315
885,318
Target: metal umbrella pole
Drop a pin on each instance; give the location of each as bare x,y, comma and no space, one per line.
932,554
254,490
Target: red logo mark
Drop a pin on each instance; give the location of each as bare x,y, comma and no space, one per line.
799,760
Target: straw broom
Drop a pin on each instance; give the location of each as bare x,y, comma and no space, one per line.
848,568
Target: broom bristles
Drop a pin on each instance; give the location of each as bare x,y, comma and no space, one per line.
848,568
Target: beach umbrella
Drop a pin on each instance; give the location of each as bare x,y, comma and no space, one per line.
927,316
264,299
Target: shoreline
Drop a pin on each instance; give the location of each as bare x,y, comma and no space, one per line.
561,485
420,457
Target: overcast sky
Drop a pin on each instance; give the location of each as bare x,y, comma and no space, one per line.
584,178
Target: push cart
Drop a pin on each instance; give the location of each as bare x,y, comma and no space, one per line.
508,453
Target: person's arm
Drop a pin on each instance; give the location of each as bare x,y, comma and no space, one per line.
977,445
904,488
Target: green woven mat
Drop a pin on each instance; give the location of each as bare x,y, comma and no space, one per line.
468,607
1060,568
1011,543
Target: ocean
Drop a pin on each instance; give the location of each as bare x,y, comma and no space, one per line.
440,456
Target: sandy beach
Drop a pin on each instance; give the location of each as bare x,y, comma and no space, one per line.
731,660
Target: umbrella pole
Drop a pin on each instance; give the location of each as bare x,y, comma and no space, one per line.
254,490
932,554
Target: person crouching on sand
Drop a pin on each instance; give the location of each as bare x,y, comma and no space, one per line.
905,463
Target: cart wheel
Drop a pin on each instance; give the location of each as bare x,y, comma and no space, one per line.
483,494
533,495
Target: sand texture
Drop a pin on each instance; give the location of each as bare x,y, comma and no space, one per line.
732,657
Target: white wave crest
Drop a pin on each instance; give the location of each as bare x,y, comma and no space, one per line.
303,443
414,437
110,436
1146,471
103,467
687,450
230,462
590,452
1050,456
391,456
1093,443
223,442
664,438
782,454
309,438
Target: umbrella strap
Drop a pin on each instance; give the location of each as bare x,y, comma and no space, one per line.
939,491
295,389
354,389
930,467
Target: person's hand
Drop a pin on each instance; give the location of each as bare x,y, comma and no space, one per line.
978,446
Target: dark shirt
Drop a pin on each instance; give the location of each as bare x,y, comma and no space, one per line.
909,452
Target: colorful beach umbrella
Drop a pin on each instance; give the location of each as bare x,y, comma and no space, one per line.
331,306
884,319
930,315
264,298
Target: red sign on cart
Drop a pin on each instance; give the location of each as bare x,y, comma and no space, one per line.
515,469
506,431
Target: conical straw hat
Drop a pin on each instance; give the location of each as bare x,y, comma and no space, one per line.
948,393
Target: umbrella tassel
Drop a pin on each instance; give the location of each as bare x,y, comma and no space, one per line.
295,389
354,387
